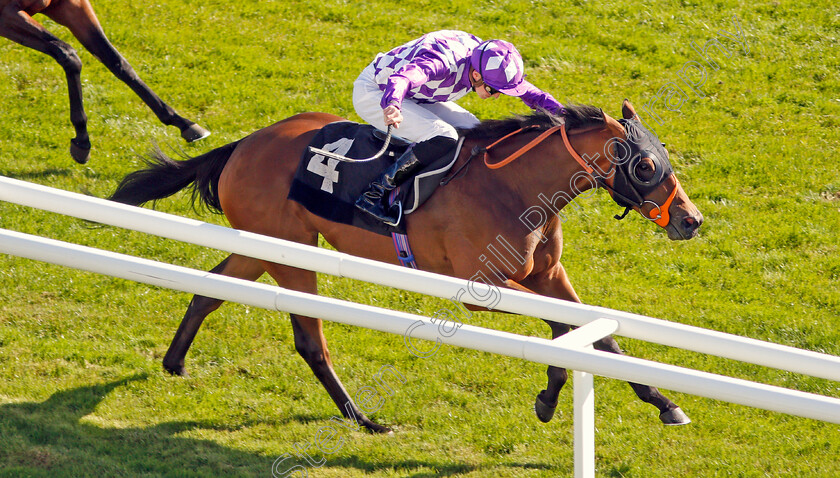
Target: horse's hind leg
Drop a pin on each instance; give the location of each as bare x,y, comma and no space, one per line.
82,22
311,344
18,26
200,307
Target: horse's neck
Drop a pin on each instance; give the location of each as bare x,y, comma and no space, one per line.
546,171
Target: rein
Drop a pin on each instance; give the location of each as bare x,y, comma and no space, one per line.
662,217
485,150
534,142
539,139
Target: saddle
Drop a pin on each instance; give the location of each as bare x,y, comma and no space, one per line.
329,187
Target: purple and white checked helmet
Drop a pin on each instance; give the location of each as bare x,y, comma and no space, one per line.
500,65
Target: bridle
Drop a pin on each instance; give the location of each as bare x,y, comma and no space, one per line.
621,180
628,189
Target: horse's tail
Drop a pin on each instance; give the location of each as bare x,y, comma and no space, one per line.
165,176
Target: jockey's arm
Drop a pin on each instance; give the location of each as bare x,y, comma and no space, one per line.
412,75
536,98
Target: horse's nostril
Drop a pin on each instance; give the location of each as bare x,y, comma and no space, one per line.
690,223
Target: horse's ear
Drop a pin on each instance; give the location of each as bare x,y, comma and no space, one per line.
627,110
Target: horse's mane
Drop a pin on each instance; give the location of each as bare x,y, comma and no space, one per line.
576,116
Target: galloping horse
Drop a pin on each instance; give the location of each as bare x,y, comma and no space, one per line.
16,24
249,181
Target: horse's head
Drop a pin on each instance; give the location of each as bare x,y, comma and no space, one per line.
644,181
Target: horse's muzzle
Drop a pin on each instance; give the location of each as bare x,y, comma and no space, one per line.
680,229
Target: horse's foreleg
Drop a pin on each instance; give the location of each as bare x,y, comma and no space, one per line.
669,412
18,26
200,307
555,283
82,22
546,402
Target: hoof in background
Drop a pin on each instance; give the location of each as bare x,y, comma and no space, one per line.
377,428
79,152
177,371
194,132
674,417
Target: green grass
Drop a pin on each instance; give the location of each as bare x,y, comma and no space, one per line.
82,391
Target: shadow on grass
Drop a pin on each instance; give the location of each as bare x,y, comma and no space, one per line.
46,173
404,467
48,439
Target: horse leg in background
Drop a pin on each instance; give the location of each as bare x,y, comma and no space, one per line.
200,307
80,19
311,344
555,283
18,26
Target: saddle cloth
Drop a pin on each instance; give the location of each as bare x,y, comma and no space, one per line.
329,187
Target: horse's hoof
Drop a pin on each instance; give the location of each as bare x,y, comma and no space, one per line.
80,151
674,417
544,411
179,370
377,428
194,132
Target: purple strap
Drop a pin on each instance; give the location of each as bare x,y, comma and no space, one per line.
404,253
401,245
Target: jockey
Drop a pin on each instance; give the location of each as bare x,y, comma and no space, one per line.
418,83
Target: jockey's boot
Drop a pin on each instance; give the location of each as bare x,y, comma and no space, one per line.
374,200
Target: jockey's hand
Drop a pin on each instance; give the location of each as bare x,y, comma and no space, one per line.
393,116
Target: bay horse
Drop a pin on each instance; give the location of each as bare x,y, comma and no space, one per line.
17,24
249,180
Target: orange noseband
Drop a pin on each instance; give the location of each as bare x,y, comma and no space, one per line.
663,216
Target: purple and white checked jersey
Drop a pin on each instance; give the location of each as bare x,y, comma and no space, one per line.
435,68
430,69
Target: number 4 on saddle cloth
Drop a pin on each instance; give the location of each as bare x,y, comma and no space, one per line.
329,187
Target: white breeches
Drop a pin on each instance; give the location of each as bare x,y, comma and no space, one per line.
421,121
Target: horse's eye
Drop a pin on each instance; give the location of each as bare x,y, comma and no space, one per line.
645,169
